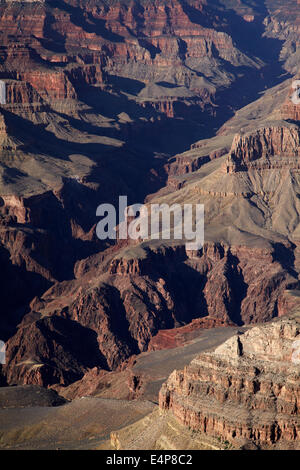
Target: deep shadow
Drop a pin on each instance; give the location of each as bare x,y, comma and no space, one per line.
238,288
127,85
17,287
52,39
85,20
286,257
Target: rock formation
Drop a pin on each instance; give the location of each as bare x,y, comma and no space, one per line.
279,140
246,391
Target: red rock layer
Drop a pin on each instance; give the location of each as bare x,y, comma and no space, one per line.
167,339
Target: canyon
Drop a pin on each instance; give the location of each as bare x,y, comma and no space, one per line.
174,101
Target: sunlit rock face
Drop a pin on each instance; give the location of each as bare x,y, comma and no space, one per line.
247,390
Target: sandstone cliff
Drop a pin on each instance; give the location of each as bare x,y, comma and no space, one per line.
246,391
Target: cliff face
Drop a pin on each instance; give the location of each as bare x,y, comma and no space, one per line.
284,23
289,109
266,148
246,391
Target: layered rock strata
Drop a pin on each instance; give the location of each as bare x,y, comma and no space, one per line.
246,391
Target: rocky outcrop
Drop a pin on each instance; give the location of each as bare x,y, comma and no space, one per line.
184,165
57,351
166,339
289,109
50,85
82,80
198,155
265,144
246,391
